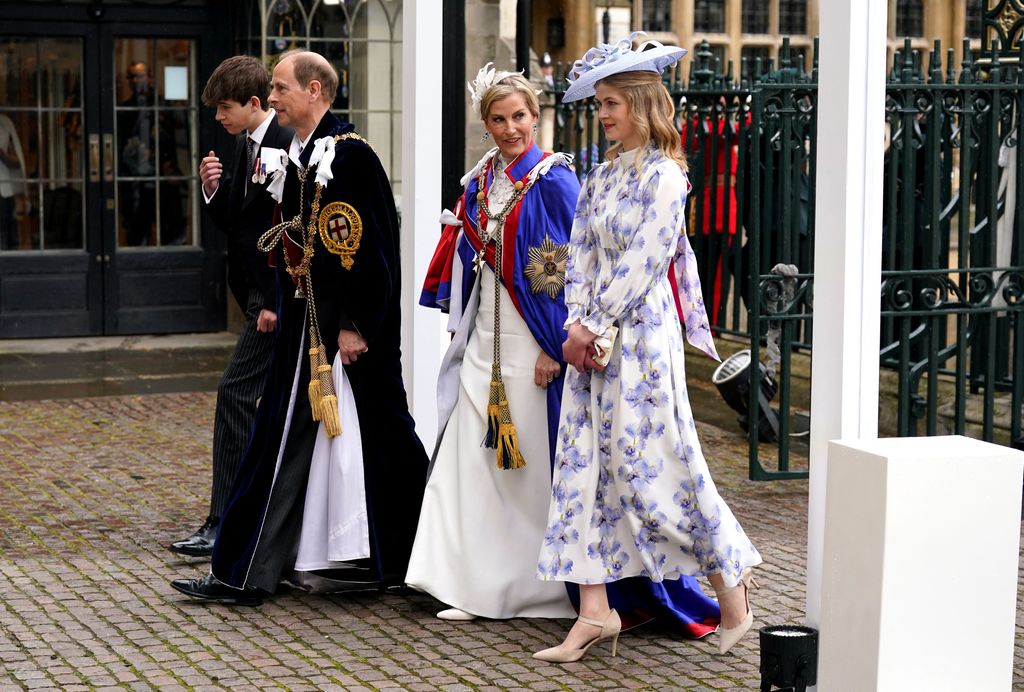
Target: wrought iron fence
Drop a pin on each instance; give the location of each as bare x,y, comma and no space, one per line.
953,270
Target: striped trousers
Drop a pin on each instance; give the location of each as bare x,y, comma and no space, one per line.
239,390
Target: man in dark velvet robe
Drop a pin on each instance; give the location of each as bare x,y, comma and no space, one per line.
355,277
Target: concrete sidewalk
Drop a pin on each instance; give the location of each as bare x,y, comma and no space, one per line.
104,366
93,489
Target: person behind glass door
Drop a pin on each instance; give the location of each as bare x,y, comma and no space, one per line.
135,133
138,159
632,494
243,210
12,184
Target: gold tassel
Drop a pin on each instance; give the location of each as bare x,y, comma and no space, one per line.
315,392
509,456
329,414
501,432
328,402
314,397
496,396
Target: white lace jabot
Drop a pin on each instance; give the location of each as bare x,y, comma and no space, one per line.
499,193
501,189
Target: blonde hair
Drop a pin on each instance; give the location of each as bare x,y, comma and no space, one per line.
651,111
512,84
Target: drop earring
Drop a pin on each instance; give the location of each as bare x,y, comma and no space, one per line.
486,135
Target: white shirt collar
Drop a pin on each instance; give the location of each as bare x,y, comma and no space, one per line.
298,146
260,132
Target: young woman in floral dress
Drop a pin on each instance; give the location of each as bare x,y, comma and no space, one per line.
632,494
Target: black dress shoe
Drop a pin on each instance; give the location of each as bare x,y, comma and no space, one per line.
199,544
209,588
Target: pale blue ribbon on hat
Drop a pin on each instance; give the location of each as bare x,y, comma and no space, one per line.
604,53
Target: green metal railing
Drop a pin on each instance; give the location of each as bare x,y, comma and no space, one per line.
952,323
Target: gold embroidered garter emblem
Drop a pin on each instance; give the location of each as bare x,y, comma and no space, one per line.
341,229
546,268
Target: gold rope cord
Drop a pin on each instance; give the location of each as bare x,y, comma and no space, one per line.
323,399
501,431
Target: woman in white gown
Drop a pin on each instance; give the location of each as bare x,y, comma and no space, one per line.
632,494
484,508
484,512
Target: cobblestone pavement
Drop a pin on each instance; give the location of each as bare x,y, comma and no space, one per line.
93,489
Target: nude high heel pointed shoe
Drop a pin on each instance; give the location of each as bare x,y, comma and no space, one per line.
610,629
727,638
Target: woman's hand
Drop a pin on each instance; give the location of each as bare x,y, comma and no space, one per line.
546,370
578,350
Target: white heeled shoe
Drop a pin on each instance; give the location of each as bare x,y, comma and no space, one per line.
455,614
611,626
727,638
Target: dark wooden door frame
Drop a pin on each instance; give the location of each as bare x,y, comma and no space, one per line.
453,109
99,259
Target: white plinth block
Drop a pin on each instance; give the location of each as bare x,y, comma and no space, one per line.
919,579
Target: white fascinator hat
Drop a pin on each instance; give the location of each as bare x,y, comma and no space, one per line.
487,78
607,59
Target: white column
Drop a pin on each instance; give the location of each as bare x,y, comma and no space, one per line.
905,517
422,32
848,248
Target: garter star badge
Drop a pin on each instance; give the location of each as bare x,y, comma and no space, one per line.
546,270
341,229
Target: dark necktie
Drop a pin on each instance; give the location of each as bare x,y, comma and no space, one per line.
250,160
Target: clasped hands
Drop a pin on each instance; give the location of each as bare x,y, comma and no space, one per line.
579,350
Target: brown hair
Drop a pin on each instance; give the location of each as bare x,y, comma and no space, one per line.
651,112
309,66
505,87
238,79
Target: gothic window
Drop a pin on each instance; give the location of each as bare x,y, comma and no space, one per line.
792,17
752,55
974,13
709,16
362,40
755,16
657,15
909,18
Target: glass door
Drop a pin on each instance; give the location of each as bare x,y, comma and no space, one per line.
155,121
161,277
42,146
49,283
100,227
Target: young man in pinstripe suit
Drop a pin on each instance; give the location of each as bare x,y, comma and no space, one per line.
240,204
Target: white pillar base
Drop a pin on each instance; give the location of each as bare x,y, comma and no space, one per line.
919,582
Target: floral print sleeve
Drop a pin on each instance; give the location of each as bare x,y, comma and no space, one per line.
579,269
646,249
